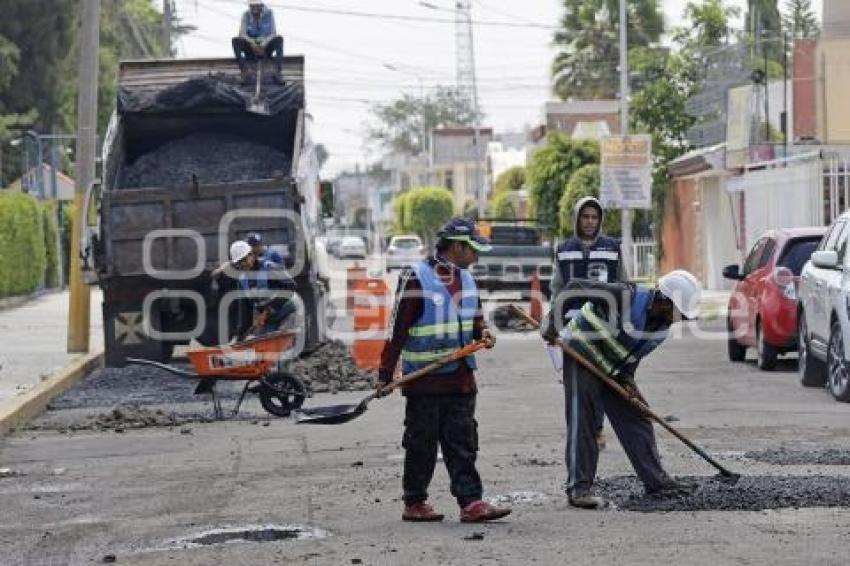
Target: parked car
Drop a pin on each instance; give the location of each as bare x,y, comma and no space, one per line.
403,251
823,327
763,305
351,247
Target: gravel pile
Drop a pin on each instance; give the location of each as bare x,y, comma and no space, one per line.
750,493
121,419
782,457
330,369
211,157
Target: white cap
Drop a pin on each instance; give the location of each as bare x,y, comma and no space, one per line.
239,250
683,289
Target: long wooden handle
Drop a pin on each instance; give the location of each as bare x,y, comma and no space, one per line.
633,400
467,350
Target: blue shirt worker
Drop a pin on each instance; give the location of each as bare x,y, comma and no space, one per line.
437,311
263,252
588,254
258,38
633,322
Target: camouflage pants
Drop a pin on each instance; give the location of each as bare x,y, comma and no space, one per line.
447,421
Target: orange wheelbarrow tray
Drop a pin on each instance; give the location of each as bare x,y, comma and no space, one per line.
254,360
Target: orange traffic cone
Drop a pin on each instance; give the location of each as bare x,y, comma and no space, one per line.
536,308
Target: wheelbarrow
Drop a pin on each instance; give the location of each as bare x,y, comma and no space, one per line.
255,361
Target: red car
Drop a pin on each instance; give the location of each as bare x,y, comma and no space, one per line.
763,304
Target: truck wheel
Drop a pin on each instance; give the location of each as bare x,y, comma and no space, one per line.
737,352
281,392
766,354
812,372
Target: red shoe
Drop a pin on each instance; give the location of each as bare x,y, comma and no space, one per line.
420,512
480,511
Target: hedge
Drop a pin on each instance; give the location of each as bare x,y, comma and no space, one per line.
29,253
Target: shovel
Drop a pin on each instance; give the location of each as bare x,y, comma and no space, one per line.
634,400
258,105
338,414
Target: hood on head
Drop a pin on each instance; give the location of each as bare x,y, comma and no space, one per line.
583,202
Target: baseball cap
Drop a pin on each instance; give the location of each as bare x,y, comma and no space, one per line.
464,230
254,239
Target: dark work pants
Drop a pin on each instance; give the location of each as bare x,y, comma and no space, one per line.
243,50
582,393
447,421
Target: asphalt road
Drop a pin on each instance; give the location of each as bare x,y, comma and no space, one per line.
142,496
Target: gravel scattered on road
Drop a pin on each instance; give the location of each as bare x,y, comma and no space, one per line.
750,493
783,457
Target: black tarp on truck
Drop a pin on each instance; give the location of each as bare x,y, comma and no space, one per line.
186,171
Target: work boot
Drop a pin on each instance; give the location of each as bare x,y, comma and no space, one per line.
480,511
587,501
420,512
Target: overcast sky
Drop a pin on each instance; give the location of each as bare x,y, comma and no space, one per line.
346,57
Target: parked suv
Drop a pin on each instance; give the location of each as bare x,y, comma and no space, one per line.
823,326
763,305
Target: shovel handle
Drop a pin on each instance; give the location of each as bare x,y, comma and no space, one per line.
633,400
467,350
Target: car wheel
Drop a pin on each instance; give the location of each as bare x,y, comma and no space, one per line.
812,373
839,378
766,353
737,352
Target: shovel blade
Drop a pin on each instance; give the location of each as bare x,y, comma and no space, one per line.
258,107
332,415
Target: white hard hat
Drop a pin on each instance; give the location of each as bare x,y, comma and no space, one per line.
239,250
683,289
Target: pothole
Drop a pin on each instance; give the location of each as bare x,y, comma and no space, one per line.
782,457
519,497
750,493
250,534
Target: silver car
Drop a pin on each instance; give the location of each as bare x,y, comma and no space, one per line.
403,251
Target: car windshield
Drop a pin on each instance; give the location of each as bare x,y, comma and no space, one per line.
797,253
406,243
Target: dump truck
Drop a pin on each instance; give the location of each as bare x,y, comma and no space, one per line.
189,165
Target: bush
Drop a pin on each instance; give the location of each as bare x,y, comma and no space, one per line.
51,245
23,257
400,213
549,172
426,209
503,206
511,180
585,183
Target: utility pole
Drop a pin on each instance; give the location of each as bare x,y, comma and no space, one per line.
78,313
626,217
166,26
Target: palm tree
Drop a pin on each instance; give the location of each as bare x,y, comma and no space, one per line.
585,66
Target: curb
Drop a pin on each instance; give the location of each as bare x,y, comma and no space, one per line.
21,300
32,403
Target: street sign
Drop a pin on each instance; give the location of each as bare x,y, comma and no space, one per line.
626,172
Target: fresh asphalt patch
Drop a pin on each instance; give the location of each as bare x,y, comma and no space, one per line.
750,493
783,457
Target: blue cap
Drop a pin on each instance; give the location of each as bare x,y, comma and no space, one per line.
464,230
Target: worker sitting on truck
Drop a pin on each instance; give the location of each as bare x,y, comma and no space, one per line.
258,38
261,251
266,309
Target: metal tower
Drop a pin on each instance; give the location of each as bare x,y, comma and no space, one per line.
467,87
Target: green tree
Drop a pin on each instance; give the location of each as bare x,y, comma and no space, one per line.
404,124
709,24
764,24
512,179
549,172
585,182
585,66
400,214
503,205
426,209
800,20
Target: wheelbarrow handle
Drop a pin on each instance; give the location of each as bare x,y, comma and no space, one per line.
467,350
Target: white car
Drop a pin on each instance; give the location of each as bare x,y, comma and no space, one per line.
403,251
823,324
351,247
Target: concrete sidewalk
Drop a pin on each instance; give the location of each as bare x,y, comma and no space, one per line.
33,340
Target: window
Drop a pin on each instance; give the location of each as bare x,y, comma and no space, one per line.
449,180
752,261
769,247
797,252
841,246
830,239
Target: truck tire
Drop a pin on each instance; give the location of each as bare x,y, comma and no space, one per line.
766,354
737,352
812,371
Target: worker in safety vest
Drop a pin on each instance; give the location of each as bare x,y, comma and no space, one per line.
587,254
634,321
437,311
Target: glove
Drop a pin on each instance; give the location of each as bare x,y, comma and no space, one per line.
548,331
489,338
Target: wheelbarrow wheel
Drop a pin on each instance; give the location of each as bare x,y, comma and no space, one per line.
281,392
